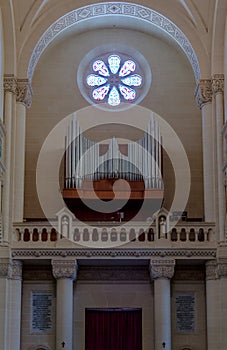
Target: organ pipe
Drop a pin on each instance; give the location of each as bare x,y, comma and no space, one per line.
83,159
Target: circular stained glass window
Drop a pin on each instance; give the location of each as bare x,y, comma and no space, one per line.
114,80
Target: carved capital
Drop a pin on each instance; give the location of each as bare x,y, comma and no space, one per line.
5,268
16,270
222,269
204,92
10,83
64,269
24,92
218,84
162,268
211,270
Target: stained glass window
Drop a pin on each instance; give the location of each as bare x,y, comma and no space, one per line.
114,81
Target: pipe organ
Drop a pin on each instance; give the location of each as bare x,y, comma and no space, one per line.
87,160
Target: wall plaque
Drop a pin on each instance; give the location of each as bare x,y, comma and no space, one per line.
185,312
42,312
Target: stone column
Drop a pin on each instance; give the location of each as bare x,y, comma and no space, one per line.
14,306
65,273
10,89
205,103
23,98
5,273
218,92
161,272
212,306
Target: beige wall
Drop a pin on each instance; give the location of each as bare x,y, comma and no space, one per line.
98,288
29,339
171,95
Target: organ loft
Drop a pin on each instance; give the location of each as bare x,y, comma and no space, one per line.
127,171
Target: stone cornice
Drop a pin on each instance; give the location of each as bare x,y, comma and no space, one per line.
218,84
114,253
162,268
20,87
64,269
204,92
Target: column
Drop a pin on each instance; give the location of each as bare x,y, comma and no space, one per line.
9,100
213,306
218,92
161,271
204,97
65,273
23,99
14,306
5,272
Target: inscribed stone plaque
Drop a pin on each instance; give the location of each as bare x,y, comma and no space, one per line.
185,312
42,312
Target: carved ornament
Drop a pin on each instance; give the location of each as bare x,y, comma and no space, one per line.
162,268
64,269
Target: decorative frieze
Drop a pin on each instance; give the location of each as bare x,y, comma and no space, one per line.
218,84
204,92
114,253
162,268
20,87
111,274
64,269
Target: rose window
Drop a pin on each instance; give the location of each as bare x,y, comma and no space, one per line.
114,81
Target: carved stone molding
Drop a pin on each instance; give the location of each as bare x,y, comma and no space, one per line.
204,92
215,270
222,269
16,270
5,268
211,270
111,274
162,268
24,92
10,83
129,10
113,253
20,87
64,269
218,84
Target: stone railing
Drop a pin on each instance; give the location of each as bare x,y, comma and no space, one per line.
136,235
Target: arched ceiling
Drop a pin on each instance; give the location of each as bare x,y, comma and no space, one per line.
34,17
113,14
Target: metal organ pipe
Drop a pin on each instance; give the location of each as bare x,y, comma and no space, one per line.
143,160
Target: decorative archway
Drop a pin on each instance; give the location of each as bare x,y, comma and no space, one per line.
112,9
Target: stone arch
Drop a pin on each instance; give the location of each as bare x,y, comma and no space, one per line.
111,10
